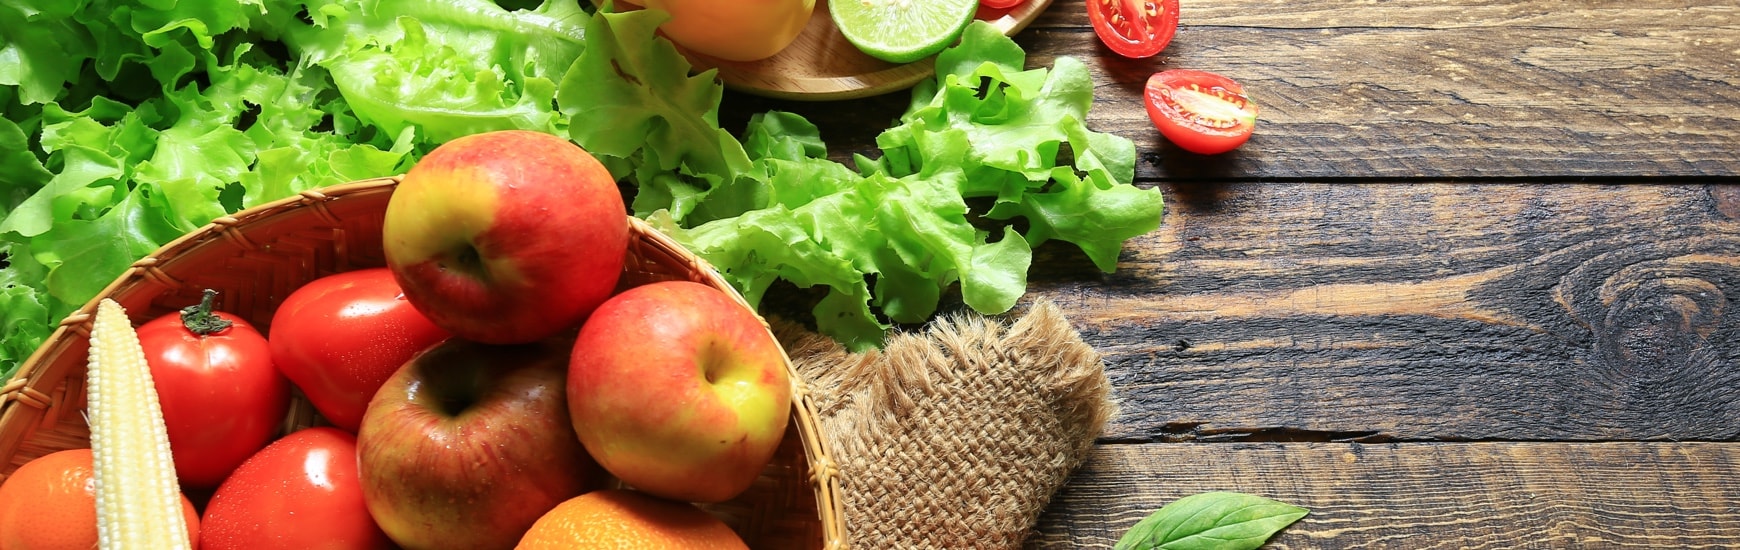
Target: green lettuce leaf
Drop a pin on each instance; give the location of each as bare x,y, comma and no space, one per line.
888,237
36,39
1006,127
130,122
21,174
27,320
631,101
447,68
94,148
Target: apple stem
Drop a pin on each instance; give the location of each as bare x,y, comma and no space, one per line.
200,320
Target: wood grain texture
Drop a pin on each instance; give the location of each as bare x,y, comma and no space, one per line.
1374,310
1424,496
1419,312
1411,89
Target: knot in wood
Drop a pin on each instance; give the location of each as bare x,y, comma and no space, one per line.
1655,316
1652,306
1656,313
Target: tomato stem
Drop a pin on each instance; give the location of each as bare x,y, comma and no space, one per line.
200,320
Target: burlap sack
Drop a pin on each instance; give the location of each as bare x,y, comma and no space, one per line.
958,436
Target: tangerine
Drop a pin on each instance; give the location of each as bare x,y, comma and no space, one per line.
619,518
51,502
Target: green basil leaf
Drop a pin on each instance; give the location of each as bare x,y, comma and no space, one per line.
1211,521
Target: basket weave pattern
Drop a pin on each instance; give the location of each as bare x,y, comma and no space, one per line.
257,257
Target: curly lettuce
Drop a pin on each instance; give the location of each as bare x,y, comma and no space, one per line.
888,237
448,68
129,123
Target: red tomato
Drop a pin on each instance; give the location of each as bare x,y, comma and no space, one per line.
1000,4
1134,28
300,492
222,400
341,336
1201,112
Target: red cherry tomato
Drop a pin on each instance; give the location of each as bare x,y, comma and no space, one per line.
300,492
222,399
1134,28
338,338
1000,4
1201,112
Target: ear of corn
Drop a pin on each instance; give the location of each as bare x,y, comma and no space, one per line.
138,500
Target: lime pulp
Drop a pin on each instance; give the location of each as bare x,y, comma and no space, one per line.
902,31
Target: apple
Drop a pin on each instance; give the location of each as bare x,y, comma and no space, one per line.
506,237
734,30
468,444
679,391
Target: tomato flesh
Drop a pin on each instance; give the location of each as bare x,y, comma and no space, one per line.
1134,28
1000,4
1201,112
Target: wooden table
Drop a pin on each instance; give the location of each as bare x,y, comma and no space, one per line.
1468,287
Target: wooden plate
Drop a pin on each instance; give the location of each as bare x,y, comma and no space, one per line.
820,65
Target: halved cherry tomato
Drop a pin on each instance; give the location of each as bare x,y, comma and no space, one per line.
1000,4
1201,112
1134,28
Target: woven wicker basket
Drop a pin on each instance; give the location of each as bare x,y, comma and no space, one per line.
255,258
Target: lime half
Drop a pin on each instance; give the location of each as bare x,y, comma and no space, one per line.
901,31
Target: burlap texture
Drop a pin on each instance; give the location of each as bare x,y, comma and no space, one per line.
956,436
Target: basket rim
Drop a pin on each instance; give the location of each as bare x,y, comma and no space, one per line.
23,402
21,387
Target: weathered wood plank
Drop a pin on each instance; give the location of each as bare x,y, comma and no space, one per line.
1419,312
1412,89
1592,14
1456,495
1429,14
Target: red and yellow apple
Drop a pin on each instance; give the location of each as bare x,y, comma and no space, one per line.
679,391
506,237
734,30
469,444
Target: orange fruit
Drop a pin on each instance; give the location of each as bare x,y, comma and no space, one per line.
617,518
51,502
